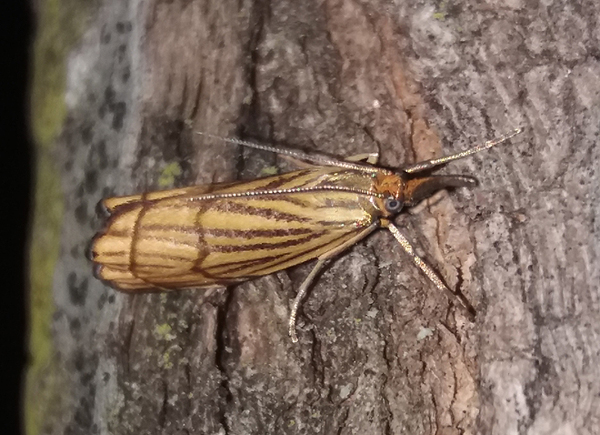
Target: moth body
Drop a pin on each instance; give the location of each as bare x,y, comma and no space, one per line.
220,234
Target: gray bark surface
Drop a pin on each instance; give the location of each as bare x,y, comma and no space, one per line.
381,351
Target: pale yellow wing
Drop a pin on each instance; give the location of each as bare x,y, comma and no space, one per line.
183,239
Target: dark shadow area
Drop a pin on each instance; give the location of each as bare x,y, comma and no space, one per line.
18,32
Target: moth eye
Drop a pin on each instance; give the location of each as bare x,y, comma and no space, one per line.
393,205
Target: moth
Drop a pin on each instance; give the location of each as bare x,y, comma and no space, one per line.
222,234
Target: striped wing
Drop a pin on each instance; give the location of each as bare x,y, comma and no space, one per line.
192,238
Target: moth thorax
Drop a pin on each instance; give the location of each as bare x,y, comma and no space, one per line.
389,185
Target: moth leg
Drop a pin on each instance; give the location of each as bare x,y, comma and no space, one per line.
318,266
370,158
427,270
299,296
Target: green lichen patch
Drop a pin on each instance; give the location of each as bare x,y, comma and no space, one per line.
58,30
168,175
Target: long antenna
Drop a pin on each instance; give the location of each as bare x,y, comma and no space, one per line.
312,158
428,164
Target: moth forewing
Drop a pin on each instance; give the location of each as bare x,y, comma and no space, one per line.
213,235
236,232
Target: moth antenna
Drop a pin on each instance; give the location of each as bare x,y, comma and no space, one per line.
319,159
429,164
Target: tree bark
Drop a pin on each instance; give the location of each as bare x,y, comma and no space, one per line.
380,351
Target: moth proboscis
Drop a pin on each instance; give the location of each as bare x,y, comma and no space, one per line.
221,234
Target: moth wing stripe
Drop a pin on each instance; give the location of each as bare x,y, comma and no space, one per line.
134,237
293,260
291,257
224,232
264,246
135,243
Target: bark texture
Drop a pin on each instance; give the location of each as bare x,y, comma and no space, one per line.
380,351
